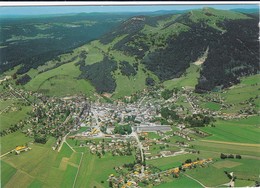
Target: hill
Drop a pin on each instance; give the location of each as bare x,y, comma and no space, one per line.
147,50
43,38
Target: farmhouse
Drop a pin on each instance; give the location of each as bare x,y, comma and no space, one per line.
19,149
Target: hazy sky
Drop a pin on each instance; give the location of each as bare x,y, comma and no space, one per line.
36,10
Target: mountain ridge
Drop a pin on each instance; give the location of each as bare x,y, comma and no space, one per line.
160,48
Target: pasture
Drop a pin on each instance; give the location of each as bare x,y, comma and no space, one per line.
209,176
43,167
170,162
94,170
61,81
229,148
211,106
182,181
10,141
7,171
188,79
241,131
7,119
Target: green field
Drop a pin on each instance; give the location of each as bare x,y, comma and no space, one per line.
36,184
61,81
182,181
94,170
211,106
7,119
170,162
248,88
6,103
10,141
226,148
68,179
7,171
43,167
189,79
209,176
242,131
244,169
152,135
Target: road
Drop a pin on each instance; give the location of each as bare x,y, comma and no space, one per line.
231,143
193,108
141,101
63,140
6,153
195,180
19,94
78,170
141,150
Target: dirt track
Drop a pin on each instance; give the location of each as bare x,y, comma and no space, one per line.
231,143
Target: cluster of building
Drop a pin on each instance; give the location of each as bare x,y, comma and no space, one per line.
115,146
150,175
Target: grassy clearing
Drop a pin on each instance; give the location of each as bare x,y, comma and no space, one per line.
170,162
128,85
248,88
226,164
182,181
7,171
211,106
94,54
152,135
21,37
10,141
251,80
242,131
6,103
7,119
189,79
61,81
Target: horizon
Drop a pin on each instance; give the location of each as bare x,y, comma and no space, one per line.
58,10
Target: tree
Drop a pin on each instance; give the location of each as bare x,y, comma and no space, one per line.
188,161
238,156
223,156
110,184
166,94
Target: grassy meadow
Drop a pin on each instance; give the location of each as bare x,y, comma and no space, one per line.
241,131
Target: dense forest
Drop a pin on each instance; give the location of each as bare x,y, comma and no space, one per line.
31,42
100,75
235,53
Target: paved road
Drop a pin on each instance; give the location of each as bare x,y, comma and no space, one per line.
63,140
141,150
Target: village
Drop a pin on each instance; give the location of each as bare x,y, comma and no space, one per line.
136,128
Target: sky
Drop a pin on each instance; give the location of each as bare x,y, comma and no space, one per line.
40,10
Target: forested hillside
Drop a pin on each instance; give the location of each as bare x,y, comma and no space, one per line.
32,41
136,52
